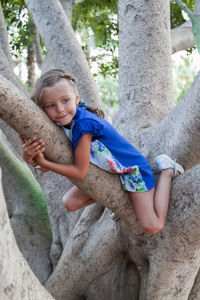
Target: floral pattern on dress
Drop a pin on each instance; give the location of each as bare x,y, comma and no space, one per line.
130,176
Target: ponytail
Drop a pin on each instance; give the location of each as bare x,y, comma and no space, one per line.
95,111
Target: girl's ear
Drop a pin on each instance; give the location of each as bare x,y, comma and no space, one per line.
77,98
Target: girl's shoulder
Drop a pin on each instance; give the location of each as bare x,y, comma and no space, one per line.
82,114
88,122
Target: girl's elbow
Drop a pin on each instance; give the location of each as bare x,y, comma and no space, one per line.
81,175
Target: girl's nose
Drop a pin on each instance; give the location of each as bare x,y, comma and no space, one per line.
60,108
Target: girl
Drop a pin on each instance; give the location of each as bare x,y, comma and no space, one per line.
95,140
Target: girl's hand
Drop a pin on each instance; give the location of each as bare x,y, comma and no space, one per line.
40,159
31,148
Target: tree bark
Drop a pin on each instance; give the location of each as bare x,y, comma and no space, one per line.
145,73
4,45
28,213
182,140
182,37
31,66
17,279
68,7
37,47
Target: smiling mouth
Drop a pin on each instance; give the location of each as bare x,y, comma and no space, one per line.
61,117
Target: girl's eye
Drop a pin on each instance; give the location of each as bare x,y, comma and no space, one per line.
49,106
65,100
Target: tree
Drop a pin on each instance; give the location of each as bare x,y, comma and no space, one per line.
93,256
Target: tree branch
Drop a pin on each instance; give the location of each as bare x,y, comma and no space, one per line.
29,215
17,279
90,251
178,135
182,37
4,45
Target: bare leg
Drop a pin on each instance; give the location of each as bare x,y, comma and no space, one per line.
151,207
75,199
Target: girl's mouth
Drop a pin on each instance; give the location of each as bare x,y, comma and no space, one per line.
61,117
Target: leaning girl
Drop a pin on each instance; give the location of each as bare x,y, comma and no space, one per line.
95,140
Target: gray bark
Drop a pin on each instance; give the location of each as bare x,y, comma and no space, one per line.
182,37
67,6
61,42
37,46
28,213
197,7
182,140
144,64
49,63
4,45
17,279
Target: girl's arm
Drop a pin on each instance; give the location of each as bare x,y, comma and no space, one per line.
79,169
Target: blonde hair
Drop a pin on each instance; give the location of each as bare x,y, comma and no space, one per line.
49,79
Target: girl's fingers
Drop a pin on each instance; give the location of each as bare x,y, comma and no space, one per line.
28,143
32,144
40,150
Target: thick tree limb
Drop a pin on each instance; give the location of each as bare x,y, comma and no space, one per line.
195,19
28,213
182,37
4,37
90,251
178,134
17,281
169,261
144,65
38,50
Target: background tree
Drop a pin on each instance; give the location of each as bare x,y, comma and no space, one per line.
92,256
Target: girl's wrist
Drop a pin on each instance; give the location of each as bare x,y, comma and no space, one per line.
35,165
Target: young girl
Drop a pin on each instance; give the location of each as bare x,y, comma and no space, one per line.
95,140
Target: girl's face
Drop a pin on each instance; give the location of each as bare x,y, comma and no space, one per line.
60,102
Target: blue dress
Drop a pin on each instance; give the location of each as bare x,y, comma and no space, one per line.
112,152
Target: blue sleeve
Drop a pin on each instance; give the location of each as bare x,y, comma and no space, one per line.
85,126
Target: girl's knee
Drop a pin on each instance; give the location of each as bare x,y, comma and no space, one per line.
68,203
73,202
152,228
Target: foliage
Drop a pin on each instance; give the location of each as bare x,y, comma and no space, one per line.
176,16
108,88
19,25
184,73
96,22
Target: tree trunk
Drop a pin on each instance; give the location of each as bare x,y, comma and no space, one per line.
145,73
31,66
28,213
17,279
37,48
4,38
